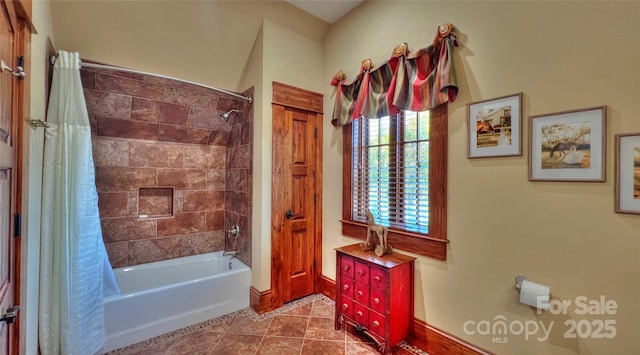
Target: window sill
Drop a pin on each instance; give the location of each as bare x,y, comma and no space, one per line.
401,240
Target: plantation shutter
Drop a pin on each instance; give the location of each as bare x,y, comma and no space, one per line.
391,170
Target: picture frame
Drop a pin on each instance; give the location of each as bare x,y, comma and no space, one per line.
568,145
627,173
495,127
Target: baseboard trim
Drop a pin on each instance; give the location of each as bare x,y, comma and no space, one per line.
327,287
424,336
436,341
261,302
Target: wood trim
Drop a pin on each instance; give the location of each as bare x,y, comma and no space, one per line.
433,245
437,341
401,240
425,336
277,210
318,203
327,287
24,11
261,302
22,47
291,96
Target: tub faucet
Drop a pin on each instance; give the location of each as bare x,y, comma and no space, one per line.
234,231
231,253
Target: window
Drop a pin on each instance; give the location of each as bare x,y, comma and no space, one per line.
395,166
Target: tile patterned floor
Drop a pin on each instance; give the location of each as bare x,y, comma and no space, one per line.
301,327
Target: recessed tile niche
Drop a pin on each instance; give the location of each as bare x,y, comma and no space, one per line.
155,202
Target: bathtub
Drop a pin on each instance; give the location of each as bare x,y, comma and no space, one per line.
163,296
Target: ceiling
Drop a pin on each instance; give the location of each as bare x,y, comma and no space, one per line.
328,10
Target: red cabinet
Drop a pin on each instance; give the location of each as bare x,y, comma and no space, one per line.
375,294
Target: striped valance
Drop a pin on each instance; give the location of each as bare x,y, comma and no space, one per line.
413,81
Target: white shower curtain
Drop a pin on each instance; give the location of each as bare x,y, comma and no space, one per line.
71,314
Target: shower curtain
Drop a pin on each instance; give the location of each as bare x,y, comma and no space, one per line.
71,313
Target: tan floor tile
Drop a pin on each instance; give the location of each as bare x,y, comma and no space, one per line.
357,348
322,309
246,325
221,327
288,326
323,328
299,311
279,346
196,343
317,347
237,344
156,349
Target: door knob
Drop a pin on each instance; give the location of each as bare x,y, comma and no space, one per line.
290,214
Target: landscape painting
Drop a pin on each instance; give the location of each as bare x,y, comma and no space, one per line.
495,127
566,146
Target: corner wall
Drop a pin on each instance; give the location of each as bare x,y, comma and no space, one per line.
32,185
289,58
561,55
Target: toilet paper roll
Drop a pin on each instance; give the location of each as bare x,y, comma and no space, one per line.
535,294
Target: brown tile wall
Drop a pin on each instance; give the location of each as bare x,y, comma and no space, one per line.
151,132
238,180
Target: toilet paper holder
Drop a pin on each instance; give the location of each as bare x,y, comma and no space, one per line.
540,301
519,279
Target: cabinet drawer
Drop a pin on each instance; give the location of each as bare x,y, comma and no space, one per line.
377,323
346,267
346,287
361,294
346,307
378,278
360,314
378,300
362,273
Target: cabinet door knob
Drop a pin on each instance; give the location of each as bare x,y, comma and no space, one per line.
345,306
376,300
376,323
359,313
360,272
360,293
346,287
376,278
346,268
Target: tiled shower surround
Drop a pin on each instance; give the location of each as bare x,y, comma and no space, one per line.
171,175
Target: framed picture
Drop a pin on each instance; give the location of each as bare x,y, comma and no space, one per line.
628,173
568,146
495,127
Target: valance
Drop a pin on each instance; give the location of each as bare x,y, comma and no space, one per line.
416,81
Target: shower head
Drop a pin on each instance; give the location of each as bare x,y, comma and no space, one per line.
225,116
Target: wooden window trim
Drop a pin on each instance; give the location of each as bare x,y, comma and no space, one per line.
434,244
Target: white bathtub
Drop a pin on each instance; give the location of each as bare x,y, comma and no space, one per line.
163,296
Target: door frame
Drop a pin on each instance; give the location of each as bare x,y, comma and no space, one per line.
20,17
287,96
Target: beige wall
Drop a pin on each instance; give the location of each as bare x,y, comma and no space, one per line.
34,144
292,59
252,77
207,42
561,55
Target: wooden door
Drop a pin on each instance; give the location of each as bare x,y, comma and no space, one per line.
296,178
7,176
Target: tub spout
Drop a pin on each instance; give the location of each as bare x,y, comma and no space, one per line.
230,253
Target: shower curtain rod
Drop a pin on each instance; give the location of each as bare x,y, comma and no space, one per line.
110,67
